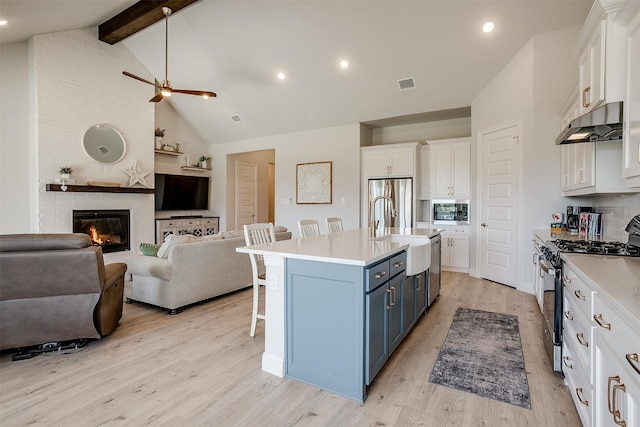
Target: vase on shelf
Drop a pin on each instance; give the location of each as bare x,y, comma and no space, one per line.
159,142
204,164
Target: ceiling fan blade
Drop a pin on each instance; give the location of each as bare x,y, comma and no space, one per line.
133,76
159,97
195,92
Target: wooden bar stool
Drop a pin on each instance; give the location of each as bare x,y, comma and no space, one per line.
257,234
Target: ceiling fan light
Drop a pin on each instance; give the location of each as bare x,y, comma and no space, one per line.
165,92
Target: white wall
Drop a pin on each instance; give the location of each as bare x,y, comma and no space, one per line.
441,129
15,180
530,89
340,145
74,82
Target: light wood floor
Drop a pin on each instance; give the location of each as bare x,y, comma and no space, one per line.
201,368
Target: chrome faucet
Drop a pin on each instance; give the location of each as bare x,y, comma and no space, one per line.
373,224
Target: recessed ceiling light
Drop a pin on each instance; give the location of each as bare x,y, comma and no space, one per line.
344,64
3,22
488,27
281,75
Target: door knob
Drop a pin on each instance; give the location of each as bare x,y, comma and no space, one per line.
484,224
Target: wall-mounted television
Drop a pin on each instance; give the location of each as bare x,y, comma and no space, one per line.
181,192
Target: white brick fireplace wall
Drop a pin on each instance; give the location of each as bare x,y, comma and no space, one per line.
78,82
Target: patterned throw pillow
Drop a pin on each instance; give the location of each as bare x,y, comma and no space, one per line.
149,249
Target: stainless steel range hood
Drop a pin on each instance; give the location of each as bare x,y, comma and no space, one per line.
600,124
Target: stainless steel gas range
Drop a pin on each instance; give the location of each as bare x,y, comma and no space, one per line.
551,266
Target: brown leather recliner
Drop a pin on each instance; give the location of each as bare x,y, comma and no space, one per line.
56,287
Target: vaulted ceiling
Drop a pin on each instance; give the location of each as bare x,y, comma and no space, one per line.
235,48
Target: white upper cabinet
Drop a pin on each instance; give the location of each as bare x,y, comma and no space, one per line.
591,69
425,188
601,53
631,138
450,164
389,161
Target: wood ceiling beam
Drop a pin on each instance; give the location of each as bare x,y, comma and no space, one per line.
136,18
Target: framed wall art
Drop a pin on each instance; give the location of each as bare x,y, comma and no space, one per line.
313,183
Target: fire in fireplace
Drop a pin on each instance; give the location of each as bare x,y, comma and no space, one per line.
106,228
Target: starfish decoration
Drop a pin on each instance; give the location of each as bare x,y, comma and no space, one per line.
136,175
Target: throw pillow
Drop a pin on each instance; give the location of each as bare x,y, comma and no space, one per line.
170,241
149,249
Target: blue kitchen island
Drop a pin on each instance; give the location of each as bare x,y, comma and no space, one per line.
337,306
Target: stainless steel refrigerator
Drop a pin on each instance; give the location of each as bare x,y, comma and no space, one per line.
400,191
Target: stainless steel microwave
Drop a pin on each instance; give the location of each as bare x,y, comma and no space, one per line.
455,212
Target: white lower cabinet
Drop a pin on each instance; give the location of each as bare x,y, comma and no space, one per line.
600,353
455,248
577,344
617,369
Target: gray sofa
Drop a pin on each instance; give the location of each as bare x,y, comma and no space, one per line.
55,288
202,268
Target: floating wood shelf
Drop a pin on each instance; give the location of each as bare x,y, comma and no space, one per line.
98,189
169,153
194,168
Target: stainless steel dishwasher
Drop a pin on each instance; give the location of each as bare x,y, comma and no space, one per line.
434,270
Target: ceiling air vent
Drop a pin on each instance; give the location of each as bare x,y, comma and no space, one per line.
407,83
235,118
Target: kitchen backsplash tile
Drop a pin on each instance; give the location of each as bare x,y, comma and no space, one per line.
617,211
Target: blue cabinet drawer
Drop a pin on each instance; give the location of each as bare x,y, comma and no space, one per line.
398,263
377,274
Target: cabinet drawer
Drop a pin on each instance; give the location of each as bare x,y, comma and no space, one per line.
620,337
377,274
398,263
577,292
579,341
582,395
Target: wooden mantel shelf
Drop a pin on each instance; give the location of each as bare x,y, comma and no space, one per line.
97,189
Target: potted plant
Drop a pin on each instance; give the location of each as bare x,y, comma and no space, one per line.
159,134
65,172
204,162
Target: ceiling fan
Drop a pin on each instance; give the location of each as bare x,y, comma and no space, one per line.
165,88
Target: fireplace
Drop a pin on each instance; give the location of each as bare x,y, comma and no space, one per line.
106,228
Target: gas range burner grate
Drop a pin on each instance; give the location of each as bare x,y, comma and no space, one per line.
597,247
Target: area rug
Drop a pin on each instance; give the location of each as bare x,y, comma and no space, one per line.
482,354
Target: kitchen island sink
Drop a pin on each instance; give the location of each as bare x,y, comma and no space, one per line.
418,251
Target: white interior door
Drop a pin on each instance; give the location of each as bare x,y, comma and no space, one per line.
246,195
499,205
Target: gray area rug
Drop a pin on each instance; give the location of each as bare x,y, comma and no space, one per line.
482,354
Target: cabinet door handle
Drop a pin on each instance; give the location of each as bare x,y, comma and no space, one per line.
581,340
609,405
568,315
389,304
566,279
380,275
565,360
578,393
598,319
393,292
632,358
419,281
616,412
398,264
585,92
578,294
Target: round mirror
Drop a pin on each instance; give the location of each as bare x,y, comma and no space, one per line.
104,144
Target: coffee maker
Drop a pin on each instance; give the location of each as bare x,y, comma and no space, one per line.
573,217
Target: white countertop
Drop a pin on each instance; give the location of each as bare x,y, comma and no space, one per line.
353,247
617,277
